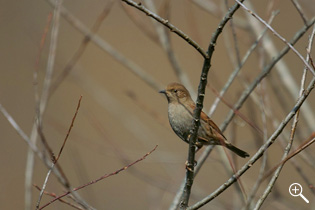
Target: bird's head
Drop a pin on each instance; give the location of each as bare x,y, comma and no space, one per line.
176,93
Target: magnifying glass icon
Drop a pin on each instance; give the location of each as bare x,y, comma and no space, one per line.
295,190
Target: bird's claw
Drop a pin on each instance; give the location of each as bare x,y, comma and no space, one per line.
188,166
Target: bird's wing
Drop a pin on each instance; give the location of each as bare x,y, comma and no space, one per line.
210,124
217,132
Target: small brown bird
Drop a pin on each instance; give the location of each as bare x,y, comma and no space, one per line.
180,115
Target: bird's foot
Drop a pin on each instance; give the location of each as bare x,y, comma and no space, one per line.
189,166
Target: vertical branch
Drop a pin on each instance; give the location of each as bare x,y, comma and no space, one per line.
166,45
264,160
84,43
55,160
310,68
42,105
238,68
282,68
167,24
299,9
101,178
293,130
105,46
199,105
260,152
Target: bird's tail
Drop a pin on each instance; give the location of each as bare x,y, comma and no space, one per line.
237,151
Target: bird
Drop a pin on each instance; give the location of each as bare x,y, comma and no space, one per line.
180,115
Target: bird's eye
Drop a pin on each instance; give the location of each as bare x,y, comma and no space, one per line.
175,91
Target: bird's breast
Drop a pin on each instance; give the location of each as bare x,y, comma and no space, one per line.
180,120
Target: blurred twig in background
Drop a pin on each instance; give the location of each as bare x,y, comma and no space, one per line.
102,177
137,48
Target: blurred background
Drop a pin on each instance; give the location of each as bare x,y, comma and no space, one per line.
122,116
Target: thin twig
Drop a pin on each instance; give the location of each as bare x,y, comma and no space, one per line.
284,156
29,169
18,129
101,178
70,128
242,99
51,154
236,111
259,179
260,152
302,89
165,42
199,106
51,58
36,69
123,157
140,22
203,157
238,68
82,47
265,72
55,160
29,142
105,46
167,24
212,8
283,70
310,68
299,9
62,179
304,145
233,30
61,200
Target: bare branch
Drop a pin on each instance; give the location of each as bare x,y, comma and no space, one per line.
168,25
238,68
199,106
304,145
105,46
41,107
84,43
101,178
260,152
61,200
310,68
18,129
284,156
299,9
239,104
55,160
167,47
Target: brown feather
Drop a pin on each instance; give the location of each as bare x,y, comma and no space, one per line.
181,108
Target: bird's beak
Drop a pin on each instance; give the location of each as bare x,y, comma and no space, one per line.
162,91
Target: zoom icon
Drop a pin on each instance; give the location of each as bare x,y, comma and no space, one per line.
295,190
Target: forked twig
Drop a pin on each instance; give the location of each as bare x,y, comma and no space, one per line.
168,25
199,106
302,147
310,68
105,46
101,178
55,160
299,9
82,47
260,152
42,103
61,200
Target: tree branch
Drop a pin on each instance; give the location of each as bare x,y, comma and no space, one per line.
260,152
170,26
101,178
199,106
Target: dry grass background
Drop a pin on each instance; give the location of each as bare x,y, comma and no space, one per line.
121,117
